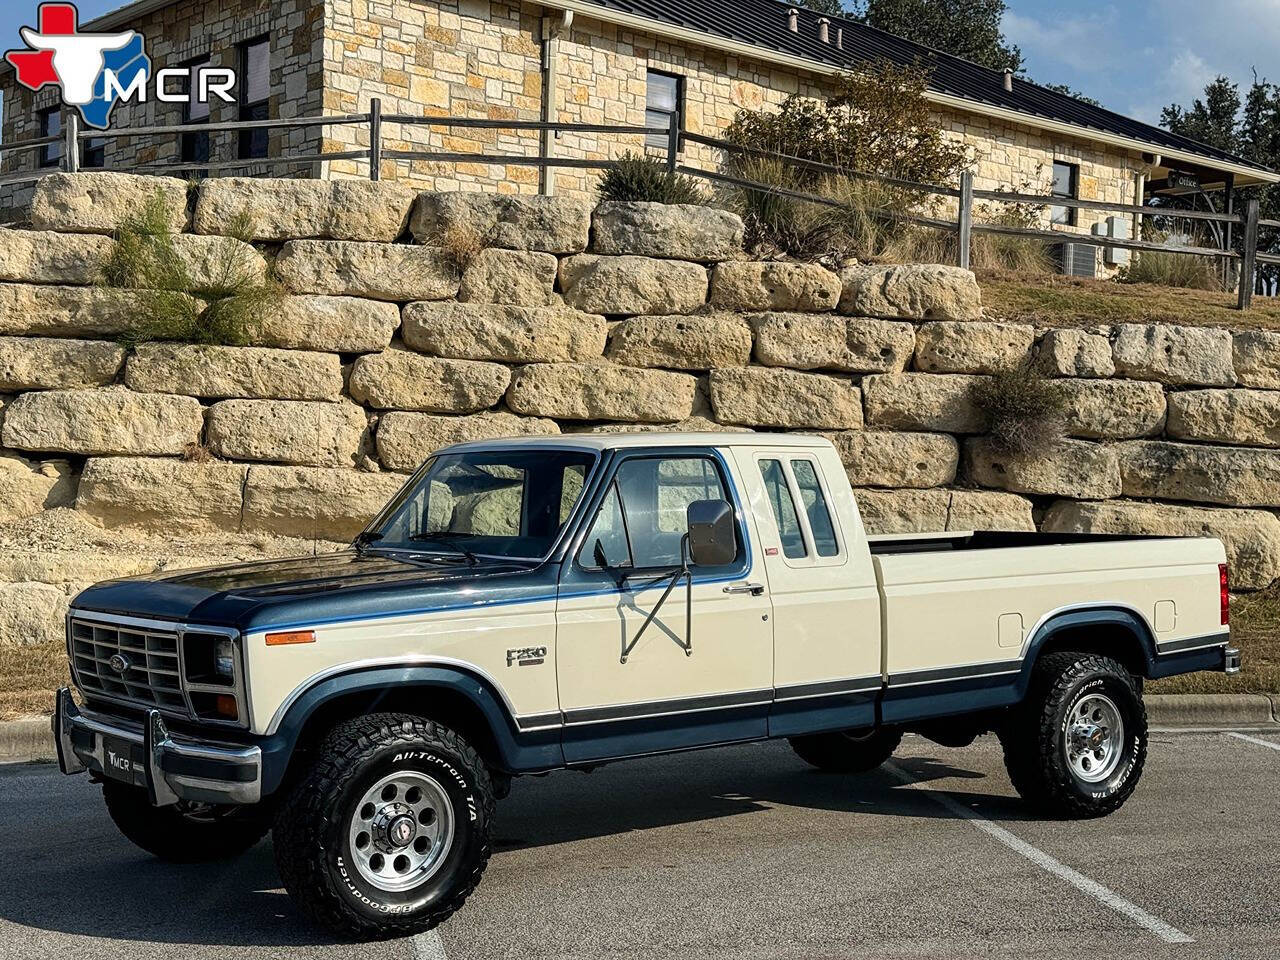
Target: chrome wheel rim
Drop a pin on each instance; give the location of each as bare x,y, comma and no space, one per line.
401,831
1094,738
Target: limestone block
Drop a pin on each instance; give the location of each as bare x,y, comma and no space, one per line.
799,287
101,202
520,277
279,209
162,495
548,224
1247,418
1071,468
402,380
1113,409
1174,355
43,364
632,285
504,333
379,271
200,370
806,341
41,256
111,421
406,439
601,391
677,231
1231,476
764,397
953,346
923,401
306,433
886,459
697,342
1075,353
332,504
338,324
912,292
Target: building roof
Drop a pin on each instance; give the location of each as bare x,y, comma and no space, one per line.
954,81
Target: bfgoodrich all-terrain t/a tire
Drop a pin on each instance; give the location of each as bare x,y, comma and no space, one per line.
853,751
389,831
1076,746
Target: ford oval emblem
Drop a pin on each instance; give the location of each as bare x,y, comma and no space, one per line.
120,664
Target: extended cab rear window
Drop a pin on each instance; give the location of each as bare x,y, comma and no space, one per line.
784,509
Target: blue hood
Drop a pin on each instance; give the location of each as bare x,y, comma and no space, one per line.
310,590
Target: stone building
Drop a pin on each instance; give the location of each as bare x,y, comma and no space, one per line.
578,61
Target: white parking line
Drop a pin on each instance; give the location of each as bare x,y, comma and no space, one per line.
1043,860
429,946
1261,743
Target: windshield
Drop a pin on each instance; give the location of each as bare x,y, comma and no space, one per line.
496,503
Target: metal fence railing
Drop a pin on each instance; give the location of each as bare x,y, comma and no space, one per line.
963,227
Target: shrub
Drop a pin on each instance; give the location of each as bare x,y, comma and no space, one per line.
462,243
1025,412
636,178
227,305
1172,269
1007,253
877,121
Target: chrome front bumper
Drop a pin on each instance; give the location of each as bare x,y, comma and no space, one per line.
169,768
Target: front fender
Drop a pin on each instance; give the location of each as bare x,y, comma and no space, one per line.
518,752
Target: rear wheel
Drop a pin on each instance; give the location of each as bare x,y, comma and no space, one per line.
1076,746
852,751
185,832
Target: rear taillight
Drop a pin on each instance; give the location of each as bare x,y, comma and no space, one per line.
1224,593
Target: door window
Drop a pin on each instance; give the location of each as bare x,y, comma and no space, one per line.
644,516
784,509
815,508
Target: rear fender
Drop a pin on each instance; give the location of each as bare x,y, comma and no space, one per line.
1137,652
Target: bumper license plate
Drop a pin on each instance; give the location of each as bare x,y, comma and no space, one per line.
122,760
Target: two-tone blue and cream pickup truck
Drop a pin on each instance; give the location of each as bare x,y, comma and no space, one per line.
537,604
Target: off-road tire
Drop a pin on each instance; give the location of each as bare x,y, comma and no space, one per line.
184,833
311,831
848,752
1033,736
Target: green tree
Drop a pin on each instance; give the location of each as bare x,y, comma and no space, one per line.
830,8
1249,128
966,28
1063,88
1213,120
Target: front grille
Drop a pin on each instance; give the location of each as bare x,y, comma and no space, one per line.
152,675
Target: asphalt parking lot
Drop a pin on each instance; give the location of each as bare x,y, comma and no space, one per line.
742,852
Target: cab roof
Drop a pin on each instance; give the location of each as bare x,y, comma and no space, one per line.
657,438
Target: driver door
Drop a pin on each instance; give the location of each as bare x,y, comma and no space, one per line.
677,687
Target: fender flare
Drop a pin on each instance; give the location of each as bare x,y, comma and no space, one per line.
1100,616
518,752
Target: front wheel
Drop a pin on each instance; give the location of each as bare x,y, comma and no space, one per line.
185,832
1077,745
389,831
853,751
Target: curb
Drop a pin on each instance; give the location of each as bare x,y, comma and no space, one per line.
31,741
1210,710
26,741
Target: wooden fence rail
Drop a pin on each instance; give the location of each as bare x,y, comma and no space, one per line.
963,227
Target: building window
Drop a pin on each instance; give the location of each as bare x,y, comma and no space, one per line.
51,126
94,153
255,95
664,99
1066,182
195,144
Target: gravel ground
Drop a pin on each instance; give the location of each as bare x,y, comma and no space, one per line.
741,852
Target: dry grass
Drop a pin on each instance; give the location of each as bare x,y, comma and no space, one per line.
1072,301
1255,629
28,678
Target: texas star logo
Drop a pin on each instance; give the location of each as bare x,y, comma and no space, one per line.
81,63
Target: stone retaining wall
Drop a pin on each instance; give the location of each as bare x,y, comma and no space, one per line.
625,317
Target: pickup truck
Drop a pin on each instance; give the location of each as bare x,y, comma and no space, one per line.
536,604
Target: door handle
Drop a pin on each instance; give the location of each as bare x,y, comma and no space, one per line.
755,589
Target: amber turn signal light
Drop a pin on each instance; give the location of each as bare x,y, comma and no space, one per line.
225,705
295,636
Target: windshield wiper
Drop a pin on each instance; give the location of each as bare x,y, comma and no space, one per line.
362,543
449,540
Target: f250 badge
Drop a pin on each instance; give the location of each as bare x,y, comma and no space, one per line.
526,656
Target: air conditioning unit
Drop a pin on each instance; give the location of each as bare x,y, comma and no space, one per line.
1078,260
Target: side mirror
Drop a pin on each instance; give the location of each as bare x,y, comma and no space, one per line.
713,540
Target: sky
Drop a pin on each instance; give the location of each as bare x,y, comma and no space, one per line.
1134,56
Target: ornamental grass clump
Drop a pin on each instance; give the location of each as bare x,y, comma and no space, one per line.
1025,412
639,179
226,304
